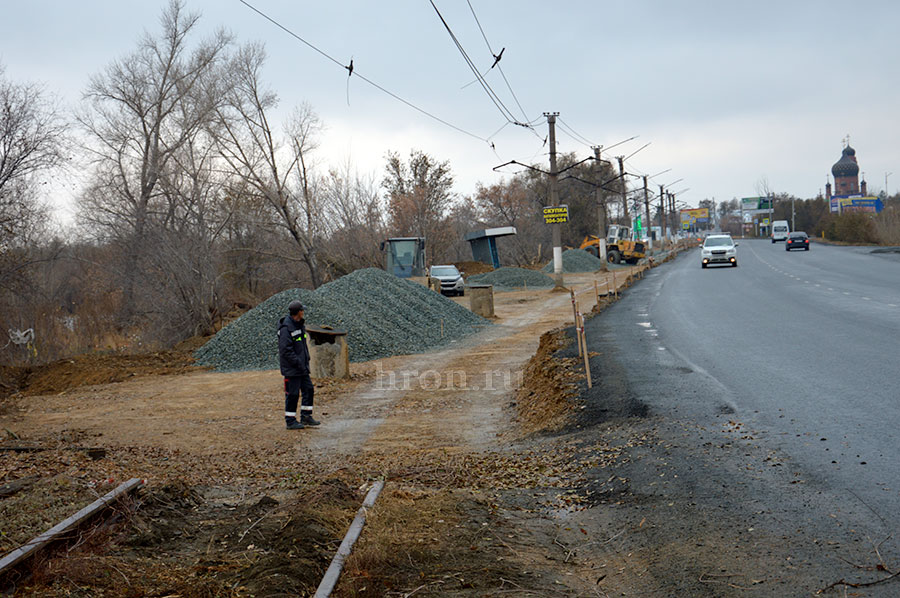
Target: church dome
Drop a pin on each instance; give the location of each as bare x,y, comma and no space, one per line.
847,165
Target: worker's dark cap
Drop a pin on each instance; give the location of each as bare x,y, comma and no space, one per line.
295,307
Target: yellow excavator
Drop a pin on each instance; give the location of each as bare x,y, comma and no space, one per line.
620,245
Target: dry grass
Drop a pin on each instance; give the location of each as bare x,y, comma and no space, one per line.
408,533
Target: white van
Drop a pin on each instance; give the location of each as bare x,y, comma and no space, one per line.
780,230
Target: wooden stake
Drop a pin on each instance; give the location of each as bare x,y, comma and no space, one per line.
597,291
575,318
587,361
615,286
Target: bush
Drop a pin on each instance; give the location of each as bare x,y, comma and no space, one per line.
849,228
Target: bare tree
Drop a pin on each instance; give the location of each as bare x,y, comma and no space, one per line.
186,264
419,196
142,110
275,171
32,143
354,217
512,203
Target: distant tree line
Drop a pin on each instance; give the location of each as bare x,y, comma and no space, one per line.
814,216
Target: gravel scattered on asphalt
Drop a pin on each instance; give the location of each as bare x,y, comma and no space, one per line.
383,316
577,260
509,278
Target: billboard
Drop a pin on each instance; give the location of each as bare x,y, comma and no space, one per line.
694,216
749,204
856,203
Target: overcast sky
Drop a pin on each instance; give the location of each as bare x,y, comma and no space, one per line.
726,93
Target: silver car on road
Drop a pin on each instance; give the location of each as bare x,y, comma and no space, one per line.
718,249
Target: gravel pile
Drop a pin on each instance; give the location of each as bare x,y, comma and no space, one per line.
577,260
507,278
382,314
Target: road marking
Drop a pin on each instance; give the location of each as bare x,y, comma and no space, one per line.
866,299
892,305
846,293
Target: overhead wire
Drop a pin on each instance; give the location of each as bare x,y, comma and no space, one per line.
574,134
355,71
497,58
492,95
569,134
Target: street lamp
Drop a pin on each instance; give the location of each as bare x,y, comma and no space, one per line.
886,175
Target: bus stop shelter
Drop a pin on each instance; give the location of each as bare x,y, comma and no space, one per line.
484,244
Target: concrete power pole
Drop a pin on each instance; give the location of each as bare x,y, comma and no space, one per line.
621,160
675,222
554,200
601,208
647,210
662,215
793,214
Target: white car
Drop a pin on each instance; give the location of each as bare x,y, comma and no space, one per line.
452,282
718,249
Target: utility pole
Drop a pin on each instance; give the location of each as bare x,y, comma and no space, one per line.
672,211
554,200
647,210
793,214
621,160
886,175
601,208
662,215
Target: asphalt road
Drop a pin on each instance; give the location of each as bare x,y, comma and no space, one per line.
780,381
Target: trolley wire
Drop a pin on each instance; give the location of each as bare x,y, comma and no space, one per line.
355,71
574,134
497,58
495,99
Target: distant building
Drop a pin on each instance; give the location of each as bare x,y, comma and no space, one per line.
849,193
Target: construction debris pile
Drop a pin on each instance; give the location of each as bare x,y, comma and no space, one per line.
382,314
508,279
577,260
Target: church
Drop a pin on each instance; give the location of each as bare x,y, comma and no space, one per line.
850,195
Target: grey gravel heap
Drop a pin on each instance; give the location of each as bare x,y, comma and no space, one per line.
382,314
577,260
508,279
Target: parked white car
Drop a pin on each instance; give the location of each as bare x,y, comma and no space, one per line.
718,249
452,282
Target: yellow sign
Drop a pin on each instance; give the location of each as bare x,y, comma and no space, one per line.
556,214
695,214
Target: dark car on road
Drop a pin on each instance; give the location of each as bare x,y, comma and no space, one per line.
797,240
